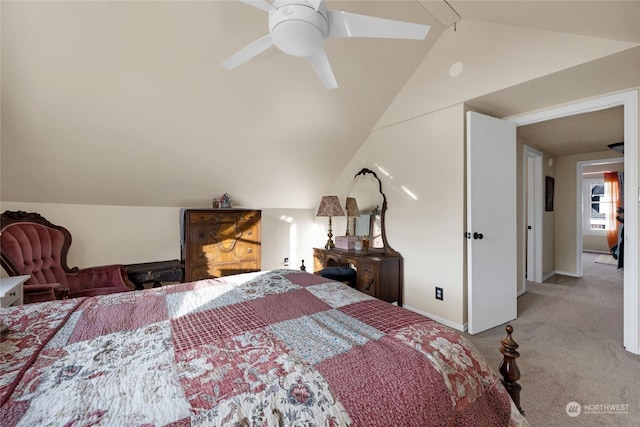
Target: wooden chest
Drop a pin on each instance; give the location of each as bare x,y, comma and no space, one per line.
220,242
154,272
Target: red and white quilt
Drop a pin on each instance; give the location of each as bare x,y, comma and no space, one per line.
262,349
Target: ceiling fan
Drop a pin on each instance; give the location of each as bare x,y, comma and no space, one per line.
300,28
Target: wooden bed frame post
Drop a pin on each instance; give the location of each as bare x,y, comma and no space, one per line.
509,369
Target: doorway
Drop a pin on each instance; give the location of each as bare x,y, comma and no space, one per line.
629,100
533,243
581,168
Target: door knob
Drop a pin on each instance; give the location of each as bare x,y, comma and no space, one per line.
478,236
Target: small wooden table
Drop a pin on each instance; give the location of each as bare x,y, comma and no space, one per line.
11,290
11,293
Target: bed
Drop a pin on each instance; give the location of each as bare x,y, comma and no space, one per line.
280,347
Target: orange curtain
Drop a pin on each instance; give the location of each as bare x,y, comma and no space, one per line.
612,195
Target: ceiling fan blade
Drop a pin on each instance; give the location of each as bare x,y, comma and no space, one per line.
322,67
315,4
260,4
243,55
345,24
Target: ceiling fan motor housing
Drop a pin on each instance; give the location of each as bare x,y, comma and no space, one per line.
296,28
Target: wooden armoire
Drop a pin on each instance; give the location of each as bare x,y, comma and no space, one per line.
220,242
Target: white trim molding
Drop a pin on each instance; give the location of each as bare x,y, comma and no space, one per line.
537,197
580,203
629,100
457,326
567,273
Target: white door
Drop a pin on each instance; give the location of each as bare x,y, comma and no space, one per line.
534,176
531,241
491,222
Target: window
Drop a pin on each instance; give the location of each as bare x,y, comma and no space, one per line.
596,208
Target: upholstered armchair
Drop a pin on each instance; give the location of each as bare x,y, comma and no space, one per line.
32,245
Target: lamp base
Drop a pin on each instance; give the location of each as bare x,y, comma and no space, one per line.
330,245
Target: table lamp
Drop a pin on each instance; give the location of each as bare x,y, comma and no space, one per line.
352,212
330,206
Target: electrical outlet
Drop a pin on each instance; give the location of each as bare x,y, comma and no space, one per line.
286,262
439,294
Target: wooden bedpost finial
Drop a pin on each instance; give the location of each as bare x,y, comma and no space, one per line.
509,369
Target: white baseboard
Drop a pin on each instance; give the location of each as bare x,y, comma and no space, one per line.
522,291
562,273
566,273
438,319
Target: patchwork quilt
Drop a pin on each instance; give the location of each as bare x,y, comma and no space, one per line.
276,348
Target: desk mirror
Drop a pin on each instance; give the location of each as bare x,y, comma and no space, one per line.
366,188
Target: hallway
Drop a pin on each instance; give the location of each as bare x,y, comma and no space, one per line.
570,333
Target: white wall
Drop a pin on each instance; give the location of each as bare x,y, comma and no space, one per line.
494,56
104,235
548,225
592,243
425,155
290,233
129,234
419,140
566,203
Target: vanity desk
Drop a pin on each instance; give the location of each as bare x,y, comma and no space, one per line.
379,268
377,274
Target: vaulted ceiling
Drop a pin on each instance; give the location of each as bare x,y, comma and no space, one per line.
124,103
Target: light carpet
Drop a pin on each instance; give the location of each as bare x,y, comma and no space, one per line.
570,336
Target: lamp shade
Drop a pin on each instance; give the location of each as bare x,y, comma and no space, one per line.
352,207
330,206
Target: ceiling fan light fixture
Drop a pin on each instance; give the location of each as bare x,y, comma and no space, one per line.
297,38
298,30
618,147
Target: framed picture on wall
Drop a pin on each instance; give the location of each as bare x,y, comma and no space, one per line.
548,193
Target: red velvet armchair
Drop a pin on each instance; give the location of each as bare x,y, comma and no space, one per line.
32,245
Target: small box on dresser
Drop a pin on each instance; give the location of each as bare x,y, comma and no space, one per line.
346,242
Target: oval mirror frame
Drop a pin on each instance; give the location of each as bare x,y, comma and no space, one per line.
366,188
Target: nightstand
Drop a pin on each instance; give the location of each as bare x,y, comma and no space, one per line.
11,290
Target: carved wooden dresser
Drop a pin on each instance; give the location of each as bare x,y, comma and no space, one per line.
220,242
379,268
377,274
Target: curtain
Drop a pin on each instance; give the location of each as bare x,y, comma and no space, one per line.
611,204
